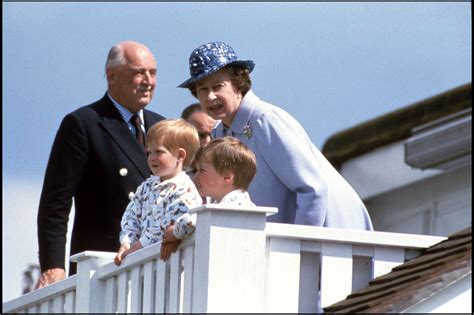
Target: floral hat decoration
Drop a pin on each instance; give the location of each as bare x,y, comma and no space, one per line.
209,58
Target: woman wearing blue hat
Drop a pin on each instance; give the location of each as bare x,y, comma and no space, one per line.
292,174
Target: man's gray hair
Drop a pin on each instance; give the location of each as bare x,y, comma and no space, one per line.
115,58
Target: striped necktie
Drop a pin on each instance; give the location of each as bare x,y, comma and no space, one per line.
137,123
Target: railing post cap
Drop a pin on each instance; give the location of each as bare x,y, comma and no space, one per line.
233,208
88,254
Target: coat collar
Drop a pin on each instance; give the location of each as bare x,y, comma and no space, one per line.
117,128
244,112
242,117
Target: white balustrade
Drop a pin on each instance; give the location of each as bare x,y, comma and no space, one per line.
234,262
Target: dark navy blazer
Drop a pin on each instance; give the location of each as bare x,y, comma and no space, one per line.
96,161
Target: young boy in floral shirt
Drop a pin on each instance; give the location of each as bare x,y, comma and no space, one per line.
167,194
225,169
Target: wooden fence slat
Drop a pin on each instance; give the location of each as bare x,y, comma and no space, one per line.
123,296
309,283
282,276
57,304
136,290
33,309
148,287
160,288
69,302
44,307
336,272
175,281
386,258
110,303
188,261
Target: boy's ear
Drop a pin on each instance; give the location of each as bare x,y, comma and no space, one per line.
181,154
229,178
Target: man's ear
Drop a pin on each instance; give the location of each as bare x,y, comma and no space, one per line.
229,178
111,75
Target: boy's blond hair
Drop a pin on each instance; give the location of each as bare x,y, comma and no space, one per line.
228,154
174,134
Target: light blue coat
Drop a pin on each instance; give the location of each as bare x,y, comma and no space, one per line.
292,174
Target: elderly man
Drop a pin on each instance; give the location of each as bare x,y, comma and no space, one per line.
97,159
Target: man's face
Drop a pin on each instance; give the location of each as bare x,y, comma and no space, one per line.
204,124
133,84
219,97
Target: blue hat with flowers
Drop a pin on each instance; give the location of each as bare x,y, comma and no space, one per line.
210,58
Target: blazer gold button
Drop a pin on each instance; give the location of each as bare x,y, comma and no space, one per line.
123,172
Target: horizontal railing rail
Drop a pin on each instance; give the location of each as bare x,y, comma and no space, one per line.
57,298
234,262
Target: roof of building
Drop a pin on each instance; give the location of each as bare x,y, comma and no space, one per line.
394,126
435,269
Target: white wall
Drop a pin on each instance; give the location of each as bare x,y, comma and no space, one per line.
438,205
19,232
407,200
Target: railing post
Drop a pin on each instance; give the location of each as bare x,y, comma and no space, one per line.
90,290
229,269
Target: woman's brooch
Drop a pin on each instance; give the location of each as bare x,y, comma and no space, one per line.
247,131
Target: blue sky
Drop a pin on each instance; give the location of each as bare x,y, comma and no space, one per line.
330,65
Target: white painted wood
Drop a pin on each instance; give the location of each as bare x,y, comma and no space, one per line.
57,304
36,297
382,170
123,298
69,302
175,281
357,237
148,287
110,302
188,262
135,290
90,289
386,258
160,289
33,309
44,307
311,246
362,272
229,260
223,265
309,282
336,272
363,251
282,276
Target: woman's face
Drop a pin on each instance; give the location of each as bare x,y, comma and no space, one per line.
218,96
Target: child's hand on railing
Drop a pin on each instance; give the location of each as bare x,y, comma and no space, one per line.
121,253
169,244
126,249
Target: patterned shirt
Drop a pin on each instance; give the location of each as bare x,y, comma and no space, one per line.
155,206
236,197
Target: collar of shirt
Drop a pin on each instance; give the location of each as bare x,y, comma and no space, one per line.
126,114
238,192
177,180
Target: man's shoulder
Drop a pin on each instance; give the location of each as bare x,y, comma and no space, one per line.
153,115
93,109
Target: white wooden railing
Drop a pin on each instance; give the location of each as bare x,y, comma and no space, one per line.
234,262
